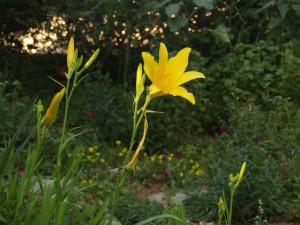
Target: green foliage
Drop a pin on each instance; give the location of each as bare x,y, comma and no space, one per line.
268,142
139,209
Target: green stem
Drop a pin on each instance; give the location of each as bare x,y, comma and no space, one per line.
124,171
230,206
61,144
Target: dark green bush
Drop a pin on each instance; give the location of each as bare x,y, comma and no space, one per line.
269,143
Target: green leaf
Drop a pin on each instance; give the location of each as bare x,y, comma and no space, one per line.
100,214
163,216
2,219
221,33
47,202
156,5
283,8
274,23
296,48
7,157
176,23
296,7
265,6
173,9
207,4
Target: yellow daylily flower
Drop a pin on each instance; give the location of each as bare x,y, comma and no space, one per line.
53,108
167,75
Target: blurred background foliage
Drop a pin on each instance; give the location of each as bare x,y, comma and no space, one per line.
247,49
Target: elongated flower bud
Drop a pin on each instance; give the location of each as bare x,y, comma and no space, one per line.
70,54
242,172
53,108
140,80
91,60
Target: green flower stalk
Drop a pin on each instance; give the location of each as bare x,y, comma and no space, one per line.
234,182
221,210
73,63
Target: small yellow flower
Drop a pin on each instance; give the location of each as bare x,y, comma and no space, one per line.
167,75
91,181
118,142
124,150
91,149
170,158
191,161
120,154
84,181
89,157
198,172
145,154
181,174
102,160
97,153
152,158
53,108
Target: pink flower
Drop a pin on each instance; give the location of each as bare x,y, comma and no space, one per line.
178,154
90,114
223,128
20,172
167,171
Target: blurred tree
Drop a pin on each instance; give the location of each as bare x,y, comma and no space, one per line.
124,28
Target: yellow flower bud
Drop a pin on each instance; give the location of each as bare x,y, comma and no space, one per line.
221,205
70,54
53,108
242,172
91,60
140,80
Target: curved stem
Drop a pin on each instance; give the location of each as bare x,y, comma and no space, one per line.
124,171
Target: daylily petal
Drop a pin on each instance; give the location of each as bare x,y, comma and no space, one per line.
163,58
155,91
177,65
182,92
187,76
150,66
